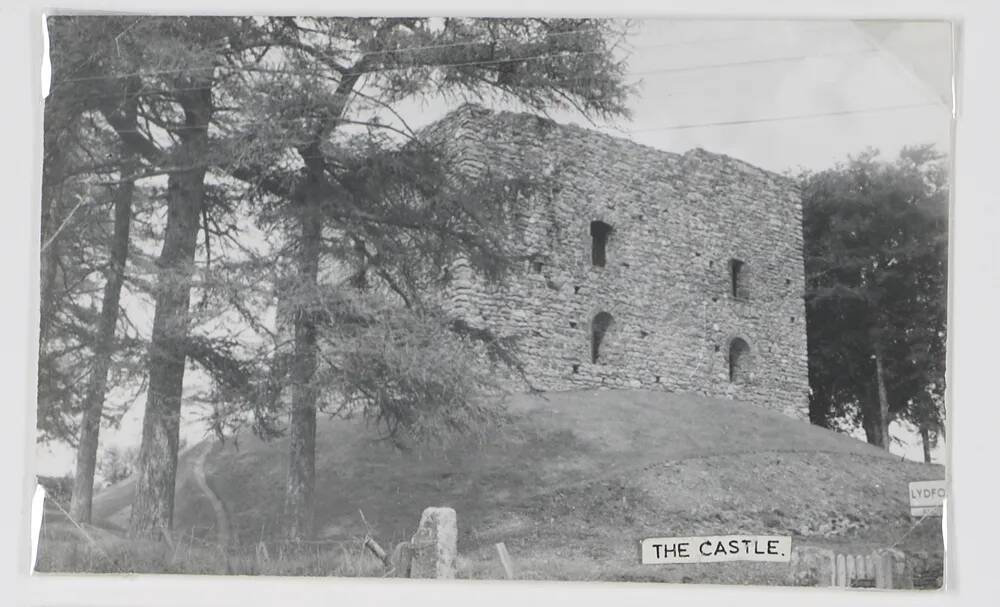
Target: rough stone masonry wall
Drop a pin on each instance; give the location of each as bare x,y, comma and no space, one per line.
677,222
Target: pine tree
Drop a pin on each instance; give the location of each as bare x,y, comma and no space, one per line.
80,316
153,81
282,121
349,180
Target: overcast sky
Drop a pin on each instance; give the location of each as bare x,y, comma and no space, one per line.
782,95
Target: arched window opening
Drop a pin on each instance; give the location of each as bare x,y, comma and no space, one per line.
598,329
599,233
739,361
738,279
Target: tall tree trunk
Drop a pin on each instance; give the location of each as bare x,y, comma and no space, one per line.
298,519
870,417
153,506
926,441
883,403
93,405
875,409
53,180
299,509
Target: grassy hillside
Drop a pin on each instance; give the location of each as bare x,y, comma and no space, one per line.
193,510
575,481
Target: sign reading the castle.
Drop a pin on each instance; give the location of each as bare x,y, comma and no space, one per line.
716,549
927,498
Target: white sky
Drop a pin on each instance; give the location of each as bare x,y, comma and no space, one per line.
697,77
779,94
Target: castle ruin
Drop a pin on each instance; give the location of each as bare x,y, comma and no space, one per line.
644,269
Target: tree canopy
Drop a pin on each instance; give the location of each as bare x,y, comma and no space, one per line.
876,252
285,183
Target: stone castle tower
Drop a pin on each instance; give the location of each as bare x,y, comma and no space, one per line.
644,269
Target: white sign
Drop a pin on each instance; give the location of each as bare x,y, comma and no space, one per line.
927,498
716,549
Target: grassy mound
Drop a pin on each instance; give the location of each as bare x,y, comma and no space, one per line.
574,482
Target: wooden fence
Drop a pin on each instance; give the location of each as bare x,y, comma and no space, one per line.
823,567
878,569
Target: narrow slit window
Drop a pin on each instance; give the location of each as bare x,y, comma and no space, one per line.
738,277
598,329
739,360
599,233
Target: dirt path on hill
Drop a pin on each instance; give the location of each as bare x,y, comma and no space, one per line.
221,518
113,505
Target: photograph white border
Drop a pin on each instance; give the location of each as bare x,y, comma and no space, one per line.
973,329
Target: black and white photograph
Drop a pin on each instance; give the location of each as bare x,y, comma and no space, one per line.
529,298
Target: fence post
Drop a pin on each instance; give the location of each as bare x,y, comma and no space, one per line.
890,570
901,574
880,581
401,558
508,566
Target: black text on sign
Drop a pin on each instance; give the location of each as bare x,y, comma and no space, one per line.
716,549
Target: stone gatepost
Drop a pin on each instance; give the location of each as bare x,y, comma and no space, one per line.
435,544
810,566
